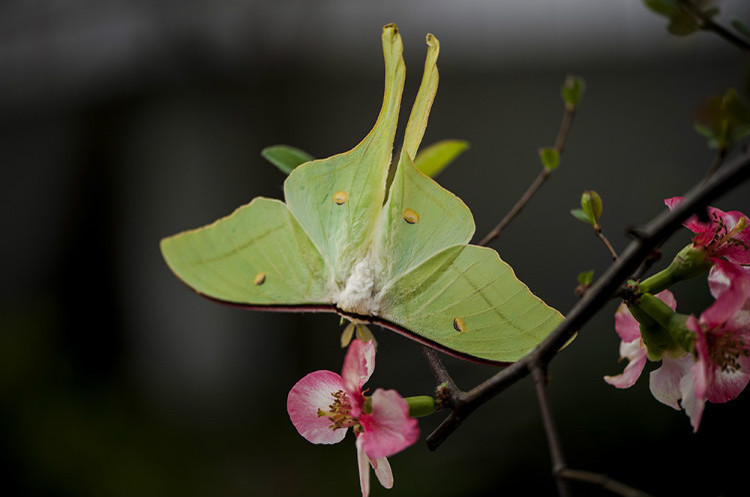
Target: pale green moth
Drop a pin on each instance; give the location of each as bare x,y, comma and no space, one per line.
395,255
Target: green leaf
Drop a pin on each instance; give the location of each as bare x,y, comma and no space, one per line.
682,24
433,159
582,216
723,120
550,158
740,133
586,277
591,203
665,8
572,91
712,12
285,157
705,131
741,28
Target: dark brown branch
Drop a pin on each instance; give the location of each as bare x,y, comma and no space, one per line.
555,449
545,173
446,385
603,481
649,237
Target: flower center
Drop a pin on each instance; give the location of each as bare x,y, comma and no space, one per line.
725,236
725,349
339,412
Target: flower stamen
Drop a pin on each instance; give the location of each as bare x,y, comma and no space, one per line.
339,411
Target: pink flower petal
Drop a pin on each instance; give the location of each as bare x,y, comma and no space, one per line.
381,466
718,235
363,465
692,222
668,298
311,393
383,471
388,429
665,381
728,384
730,285
673,202
737,249
693,403
625,324
359,364
636,354
701,350
721,382
719,279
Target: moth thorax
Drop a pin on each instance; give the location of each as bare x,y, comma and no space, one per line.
358,295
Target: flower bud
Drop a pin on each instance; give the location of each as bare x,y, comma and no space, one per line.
688,263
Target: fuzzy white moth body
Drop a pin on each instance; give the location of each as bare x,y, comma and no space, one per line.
359,294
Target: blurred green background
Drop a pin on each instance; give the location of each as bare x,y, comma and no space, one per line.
122,122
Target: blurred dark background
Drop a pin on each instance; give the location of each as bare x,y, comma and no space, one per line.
122,122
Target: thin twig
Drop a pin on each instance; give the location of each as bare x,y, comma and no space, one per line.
555,448
605,241
603,481
661,227
708,24
720,156
538,182
652,258
444,379
562,135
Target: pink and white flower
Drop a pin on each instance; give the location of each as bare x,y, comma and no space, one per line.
722,343
324,405
726,235
663,381
719,367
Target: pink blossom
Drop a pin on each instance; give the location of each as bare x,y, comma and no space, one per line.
725,235
634,350
323,405
722,343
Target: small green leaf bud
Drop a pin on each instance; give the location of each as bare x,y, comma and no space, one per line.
550,158
580,215
591,203
572,91
586,277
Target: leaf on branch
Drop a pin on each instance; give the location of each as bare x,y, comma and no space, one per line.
723,120
586,277
681,22
591,208
285,157
550,158
572,91
666,8
581,216
433,159
591,203
740,27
